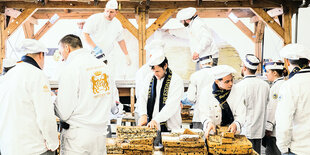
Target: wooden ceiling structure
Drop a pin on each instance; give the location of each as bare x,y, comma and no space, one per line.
276,14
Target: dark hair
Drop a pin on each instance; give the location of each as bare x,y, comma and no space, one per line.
281,73
6,69
252,71
301,62
72,40
162,65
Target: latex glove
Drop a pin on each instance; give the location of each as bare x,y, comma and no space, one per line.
142,120
152,124
211,127
98,52
128,59
120,108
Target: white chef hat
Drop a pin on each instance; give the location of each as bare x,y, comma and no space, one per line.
221,71
251,61
295,52
33,46
155,46
203,59
274,65
157,59
186,13
111,4
7,62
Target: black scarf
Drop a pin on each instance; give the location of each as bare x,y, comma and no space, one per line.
30,60
221,96
296,70
162,99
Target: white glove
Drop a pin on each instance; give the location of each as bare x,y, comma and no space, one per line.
128,60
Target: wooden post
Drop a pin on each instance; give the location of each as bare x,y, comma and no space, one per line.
132,101
48,25
126,24
27,13
259,33
2,40
287,25
142,37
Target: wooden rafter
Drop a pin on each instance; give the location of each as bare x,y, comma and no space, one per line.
160,21
2,40
272,13
15,13
126,24
47,26
19,21
28,29
263,15
242,27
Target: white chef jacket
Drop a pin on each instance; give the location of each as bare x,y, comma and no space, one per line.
27,119
85,93
254,94
201,40
104,32
272,105
140,76
171,112
210,111
198,80
292,115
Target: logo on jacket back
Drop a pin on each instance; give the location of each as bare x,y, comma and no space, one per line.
100,84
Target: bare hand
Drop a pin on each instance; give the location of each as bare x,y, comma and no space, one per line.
232,128
210,127
195,56
142,120
153,124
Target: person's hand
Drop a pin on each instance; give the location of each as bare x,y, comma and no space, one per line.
142,120
268,133
153,124
181,105
210,127
232,128
128,60
195,56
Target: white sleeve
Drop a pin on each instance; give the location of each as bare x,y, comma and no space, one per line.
143,96
173,101
180,33
205,110
205,39
90,25
192,90
120,35
44,109
67,94
284,117
271,108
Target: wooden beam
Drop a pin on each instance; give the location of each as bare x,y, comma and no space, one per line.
48,25
126,24
2,40
28,29
160,21
15,13
242,27
154,4
19,21
272,13
141,38
269,21
287,24
259,33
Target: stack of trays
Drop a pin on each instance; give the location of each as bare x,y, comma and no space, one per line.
186,113
114,146
135,132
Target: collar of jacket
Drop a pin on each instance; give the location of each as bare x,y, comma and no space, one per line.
31,61
73,54
249,76
278,79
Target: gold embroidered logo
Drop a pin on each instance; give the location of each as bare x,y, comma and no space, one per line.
100,82
45,88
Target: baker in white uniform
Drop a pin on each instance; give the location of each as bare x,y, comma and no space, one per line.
27,119
293,110
254,92
274,73
160,98
84,101
8,64
101,30
200,36
199,80
219,103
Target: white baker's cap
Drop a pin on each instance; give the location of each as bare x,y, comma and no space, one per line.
274,65
295,52
157,59
7,62
221,71
155,46
251,61
111,4
31,46
186,13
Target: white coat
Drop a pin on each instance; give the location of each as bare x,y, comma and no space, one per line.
171,112
27,119
272,105
201,40
292,115
104,32
140,77
254,94
198,80
210,111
